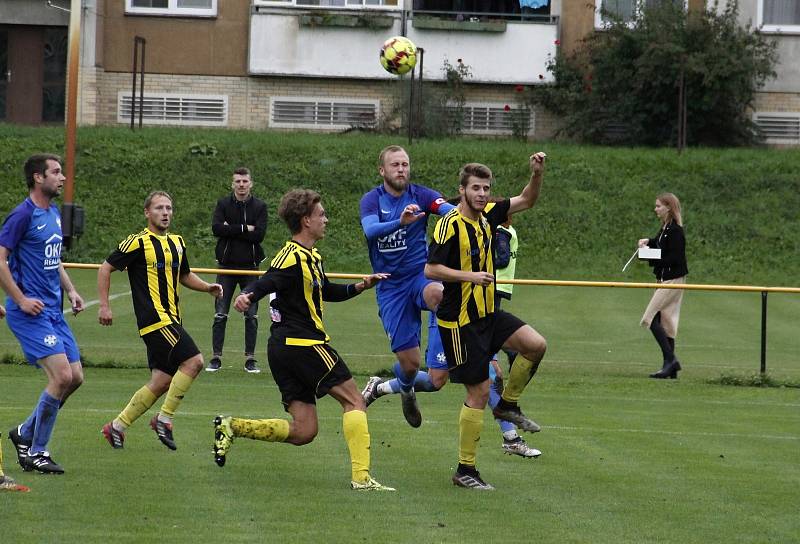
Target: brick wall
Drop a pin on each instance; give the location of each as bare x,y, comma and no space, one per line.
777,102
248,97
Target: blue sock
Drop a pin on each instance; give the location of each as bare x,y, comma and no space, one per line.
423,383
494,398
394,383
406,382
26,429
46,413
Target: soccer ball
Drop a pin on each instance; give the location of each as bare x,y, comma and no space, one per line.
398,55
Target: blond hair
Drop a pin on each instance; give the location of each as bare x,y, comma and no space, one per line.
671,201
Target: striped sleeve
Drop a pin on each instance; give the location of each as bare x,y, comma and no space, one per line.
127,251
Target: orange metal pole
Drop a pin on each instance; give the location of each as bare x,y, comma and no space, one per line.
73,64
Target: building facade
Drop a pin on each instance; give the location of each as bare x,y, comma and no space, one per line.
313,64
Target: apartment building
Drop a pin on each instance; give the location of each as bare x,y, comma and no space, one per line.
313,64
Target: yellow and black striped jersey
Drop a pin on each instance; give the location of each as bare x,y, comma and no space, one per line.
155,264
463,244
297,278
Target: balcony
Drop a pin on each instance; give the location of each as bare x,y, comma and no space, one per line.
342,38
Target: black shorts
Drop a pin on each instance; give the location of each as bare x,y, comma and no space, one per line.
305,373
168,347
470,348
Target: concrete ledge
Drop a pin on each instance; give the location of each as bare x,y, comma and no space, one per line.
434,23
347,20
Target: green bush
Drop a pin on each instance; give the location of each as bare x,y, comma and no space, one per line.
622,84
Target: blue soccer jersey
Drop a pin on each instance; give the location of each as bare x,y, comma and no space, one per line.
33,237
396,249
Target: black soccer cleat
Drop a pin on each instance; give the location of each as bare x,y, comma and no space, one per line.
21,446
164,432
42,463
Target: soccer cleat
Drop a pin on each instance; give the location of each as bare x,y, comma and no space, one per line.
223,439
471,480
214,364
519,447
411,408
515,416
41,462
370,391
114,437
251,366
164,432
370,485
21,445
7,483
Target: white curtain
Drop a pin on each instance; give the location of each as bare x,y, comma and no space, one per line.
781,12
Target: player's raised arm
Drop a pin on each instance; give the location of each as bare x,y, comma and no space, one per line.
530,193
370,218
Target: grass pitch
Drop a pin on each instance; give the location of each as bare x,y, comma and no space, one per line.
626,458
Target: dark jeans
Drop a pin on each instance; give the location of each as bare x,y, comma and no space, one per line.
222,306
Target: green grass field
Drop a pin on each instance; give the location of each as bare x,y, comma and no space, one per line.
626,458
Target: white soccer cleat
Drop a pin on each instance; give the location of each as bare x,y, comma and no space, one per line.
519,447
370,485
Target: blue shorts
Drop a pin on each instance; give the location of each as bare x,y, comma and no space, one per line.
43,335
435,358
400,304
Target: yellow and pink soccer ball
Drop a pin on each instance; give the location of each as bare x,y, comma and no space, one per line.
398,55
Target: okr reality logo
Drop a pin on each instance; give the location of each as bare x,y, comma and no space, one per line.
50,340
52,252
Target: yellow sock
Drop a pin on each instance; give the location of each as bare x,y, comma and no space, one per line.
140,402
470,423
521,373
356,434
180,384
1,461
269,430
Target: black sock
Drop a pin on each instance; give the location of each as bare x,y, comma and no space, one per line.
662,339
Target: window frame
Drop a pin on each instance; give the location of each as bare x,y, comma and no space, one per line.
172,10
599,24
772,29
292,4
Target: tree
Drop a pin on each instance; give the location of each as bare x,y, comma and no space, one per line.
623,83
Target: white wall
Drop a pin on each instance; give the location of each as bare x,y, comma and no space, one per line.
788,67
280,46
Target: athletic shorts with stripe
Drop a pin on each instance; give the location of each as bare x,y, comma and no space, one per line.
305,373
168,347
470,348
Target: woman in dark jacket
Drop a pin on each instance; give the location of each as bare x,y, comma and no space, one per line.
664,310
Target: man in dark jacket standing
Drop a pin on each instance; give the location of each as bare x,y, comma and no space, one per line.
239,223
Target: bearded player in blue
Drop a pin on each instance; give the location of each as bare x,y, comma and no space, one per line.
33,277
394,217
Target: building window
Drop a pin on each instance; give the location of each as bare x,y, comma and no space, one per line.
626,10
312,113
476,10
351,4
183,8
779,127
492,119
779,16
174,109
